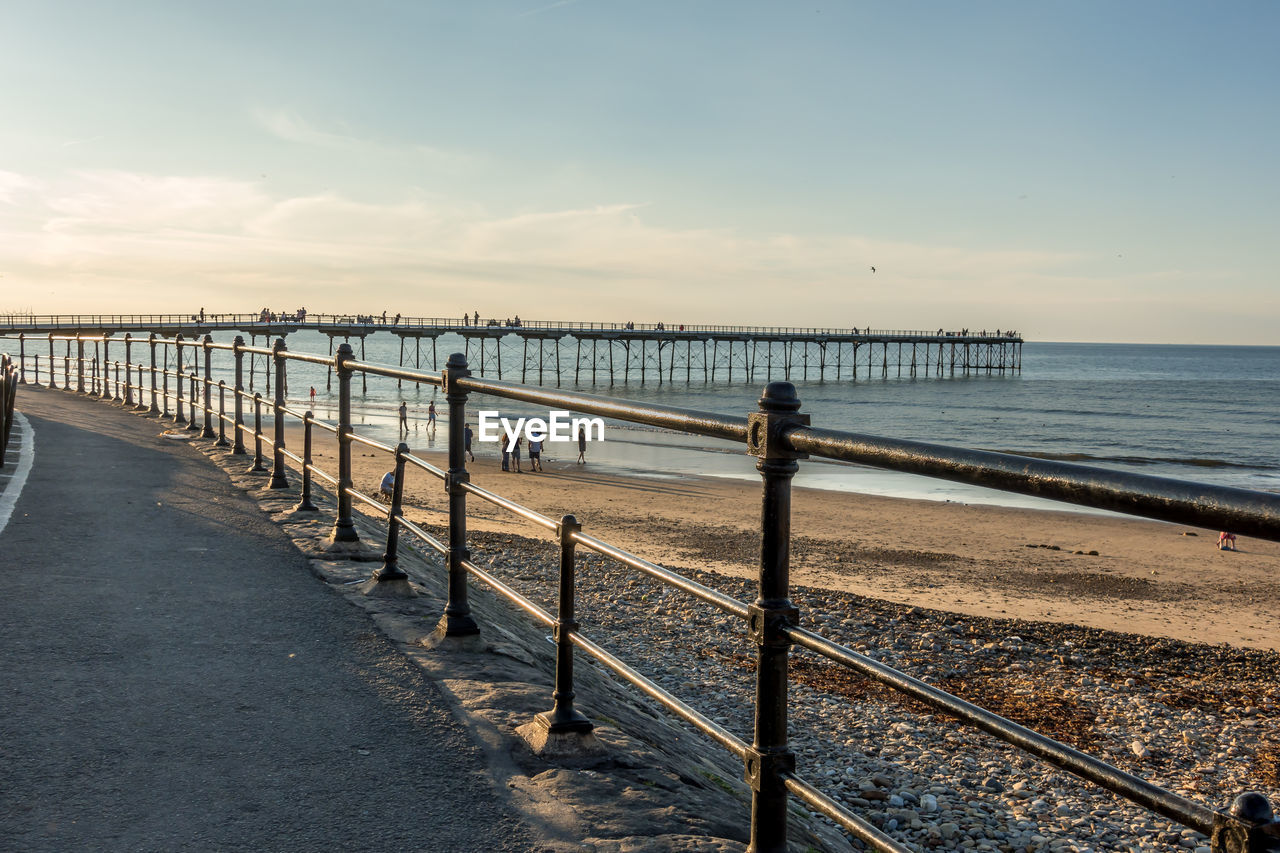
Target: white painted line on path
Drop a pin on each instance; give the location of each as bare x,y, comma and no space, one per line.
26,455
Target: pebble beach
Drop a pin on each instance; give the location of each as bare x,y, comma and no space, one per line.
1153,653
1199,720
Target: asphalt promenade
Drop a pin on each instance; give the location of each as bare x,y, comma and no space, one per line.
172,676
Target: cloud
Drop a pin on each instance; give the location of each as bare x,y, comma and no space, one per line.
144,220
114,240
13,185
290,127
107,202
287,125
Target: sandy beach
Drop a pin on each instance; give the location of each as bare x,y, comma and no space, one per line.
1147,577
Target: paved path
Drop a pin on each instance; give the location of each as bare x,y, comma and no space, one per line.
172,677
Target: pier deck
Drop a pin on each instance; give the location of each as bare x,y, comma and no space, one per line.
546,351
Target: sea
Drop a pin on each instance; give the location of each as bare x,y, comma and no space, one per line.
1202,413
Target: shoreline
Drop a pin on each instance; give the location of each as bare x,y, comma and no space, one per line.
674,456
1148,577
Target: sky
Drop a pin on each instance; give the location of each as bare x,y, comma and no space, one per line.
1076,171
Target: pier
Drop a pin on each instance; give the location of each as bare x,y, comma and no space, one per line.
554,351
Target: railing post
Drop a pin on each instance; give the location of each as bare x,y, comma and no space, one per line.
164,374
305,504
105,390
178,416
5,412
1249,826
563,717
153,409
53,364
222,415
278,478
257,467
128,369
207,431
344,529
390,569
36,357
8,394
22,359
237,441
79,365
193,379
115,397
457,620
770,758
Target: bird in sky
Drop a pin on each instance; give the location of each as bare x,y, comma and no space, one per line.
873,269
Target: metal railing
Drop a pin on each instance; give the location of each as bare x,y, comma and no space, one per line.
779,436
35,323
9,380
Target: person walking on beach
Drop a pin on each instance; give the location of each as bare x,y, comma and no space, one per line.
535,455
313,396
404,417
515,454
1226,541
582,445
466,442
506,455
431,418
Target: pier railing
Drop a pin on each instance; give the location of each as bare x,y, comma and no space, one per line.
779,436
205,322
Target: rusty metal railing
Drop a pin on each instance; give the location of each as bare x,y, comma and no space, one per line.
779,436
